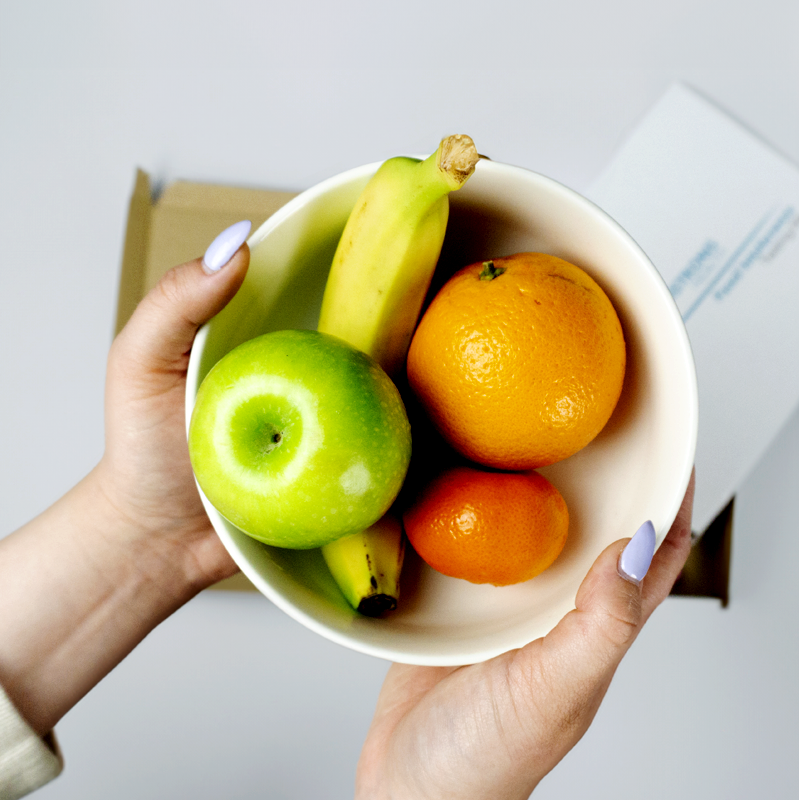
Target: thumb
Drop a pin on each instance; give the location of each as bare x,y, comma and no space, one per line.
609,608
159,335
564,676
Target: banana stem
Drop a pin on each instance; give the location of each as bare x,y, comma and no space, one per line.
456,157
445,171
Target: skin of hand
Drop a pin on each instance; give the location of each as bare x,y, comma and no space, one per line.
492,731
131,543
145,471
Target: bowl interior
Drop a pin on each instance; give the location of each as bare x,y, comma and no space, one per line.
637,468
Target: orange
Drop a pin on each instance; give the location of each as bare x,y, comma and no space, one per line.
519,361
488,527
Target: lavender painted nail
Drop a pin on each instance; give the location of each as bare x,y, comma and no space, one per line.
222,249
637,555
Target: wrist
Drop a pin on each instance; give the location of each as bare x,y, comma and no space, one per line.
88,587
166,554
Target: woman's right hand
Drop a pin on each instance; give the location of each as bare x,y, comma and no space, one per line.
492,731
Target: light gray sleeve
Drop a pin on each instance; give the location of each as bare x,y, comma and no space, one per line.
27,761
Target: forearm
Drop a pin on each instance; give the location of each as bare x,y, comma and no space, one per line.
79,589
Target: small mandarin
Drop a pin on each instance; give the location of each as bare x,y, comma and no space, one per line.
519,361
500,528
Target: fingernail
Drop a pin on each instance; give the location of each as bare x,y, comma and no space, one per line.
637,555
225,245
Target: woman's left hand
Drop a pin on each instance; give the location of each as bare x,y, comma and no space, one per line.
145,471
93,574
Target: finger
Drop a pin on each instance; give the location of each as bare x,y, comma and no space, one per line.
582,652
620,592
159,335
609,611
566,674
615,600
671,556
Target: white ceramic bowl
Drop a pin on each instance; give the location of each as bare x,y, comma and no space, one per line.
637,469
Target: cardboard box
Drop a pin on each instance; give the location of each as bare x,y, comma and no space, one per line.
178,224
716,208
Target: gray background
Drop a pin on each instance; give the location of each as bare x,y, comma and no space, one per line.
230,698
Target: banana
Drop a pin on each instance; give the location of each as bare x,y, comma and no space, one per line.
388,251
367,566
378,280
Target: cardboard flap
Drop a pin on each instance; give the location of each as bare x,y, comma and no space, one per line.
134,256
178,226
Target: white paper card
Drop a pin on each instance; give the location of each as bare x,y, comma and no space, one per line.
715,208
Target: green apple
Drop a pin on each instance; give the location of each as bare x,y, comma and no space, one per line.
298,439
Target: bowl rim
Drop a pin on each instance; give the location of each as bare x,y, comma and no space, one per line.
255,238
479,653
